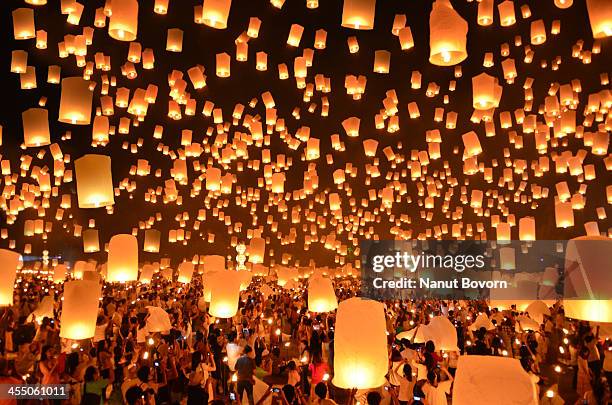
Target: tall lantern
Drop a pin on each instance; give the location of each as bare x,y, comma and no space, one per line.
215,13
587,279
75,102
321,295
358,14
447,35
36,127
122,258
146,274
151,241
91,242
360,345
23,23
94,181
257,250
600,16
486,92
9,263
124,20
80,309
213,263
59,273
224,293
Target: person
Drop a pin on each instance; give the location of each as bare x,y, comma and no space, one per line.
48,366
245,369
599,395
233,351
7,376
293,375
374,398
395,373
317,369
134,396
584,372
93,389
320,397
406,386
435,390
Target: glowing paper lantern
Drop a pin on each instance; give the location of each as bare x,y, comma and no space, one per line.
23,23
486,92
152,240
587,280
321,295
185,270
257,250
360,345
358,14
91,243
124,20
122,258
94,181
442,332
492,380
447,35
216,12
80,309
9,263
75,102
600,17
59,273
562,4
224,293
146,274
36,127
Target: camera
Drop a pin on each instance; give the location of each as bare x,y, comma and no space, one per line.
232,396
276,390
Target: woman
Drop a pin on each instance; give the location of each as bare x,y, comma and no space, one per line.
317,369
94,387
584,373
199,389
395,369
48,366
406,386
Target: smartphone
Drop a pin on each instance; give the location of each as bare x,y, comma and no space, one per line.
416,398
245,331
232,396
276,390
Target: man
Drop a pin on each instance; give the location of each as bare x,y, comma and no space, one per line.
245,368
320,391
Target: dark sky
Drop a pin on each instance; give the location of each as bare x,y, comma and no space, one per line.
202,43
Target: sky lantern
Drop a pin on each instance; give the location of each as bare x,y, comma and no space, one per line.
257,250
224,293
358,14
75,102
223,65
587,279
152,240
471,144
213,179
447,35
485,12
216,12
23,23
146,274
360,345
213,263
564,214
9,263
321,295
600,17
79,309
59,273
122,258
36,127
527,228
563,4
94,181
91,242
278,183
124,20
486,92
185,272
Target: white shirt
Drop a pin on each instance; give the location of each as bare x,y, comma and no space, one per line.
233,353
437,395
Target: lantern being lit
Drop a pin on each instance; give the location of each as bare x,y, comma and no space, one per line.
360,345
94,181
447,35
122,258
9,263
80,309
358,14
124,20
216,12
321,295
75,102
224,293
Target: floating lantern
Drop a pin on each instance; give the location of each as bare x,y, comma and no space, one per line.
91,243
94,181
223,65
75,102
278,183
122,258
124,20
257,250
185,271
23,23
59,273
447,35
216,12
486,92
152,240
360,345
80,309
600,17
36,127
321,295
358,14
9,263
146,274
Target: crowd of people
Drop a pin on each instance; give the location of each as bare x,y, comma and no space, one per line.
275,351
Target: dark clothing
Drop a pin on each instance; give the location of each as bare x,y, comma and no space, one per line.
245,386
245,367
